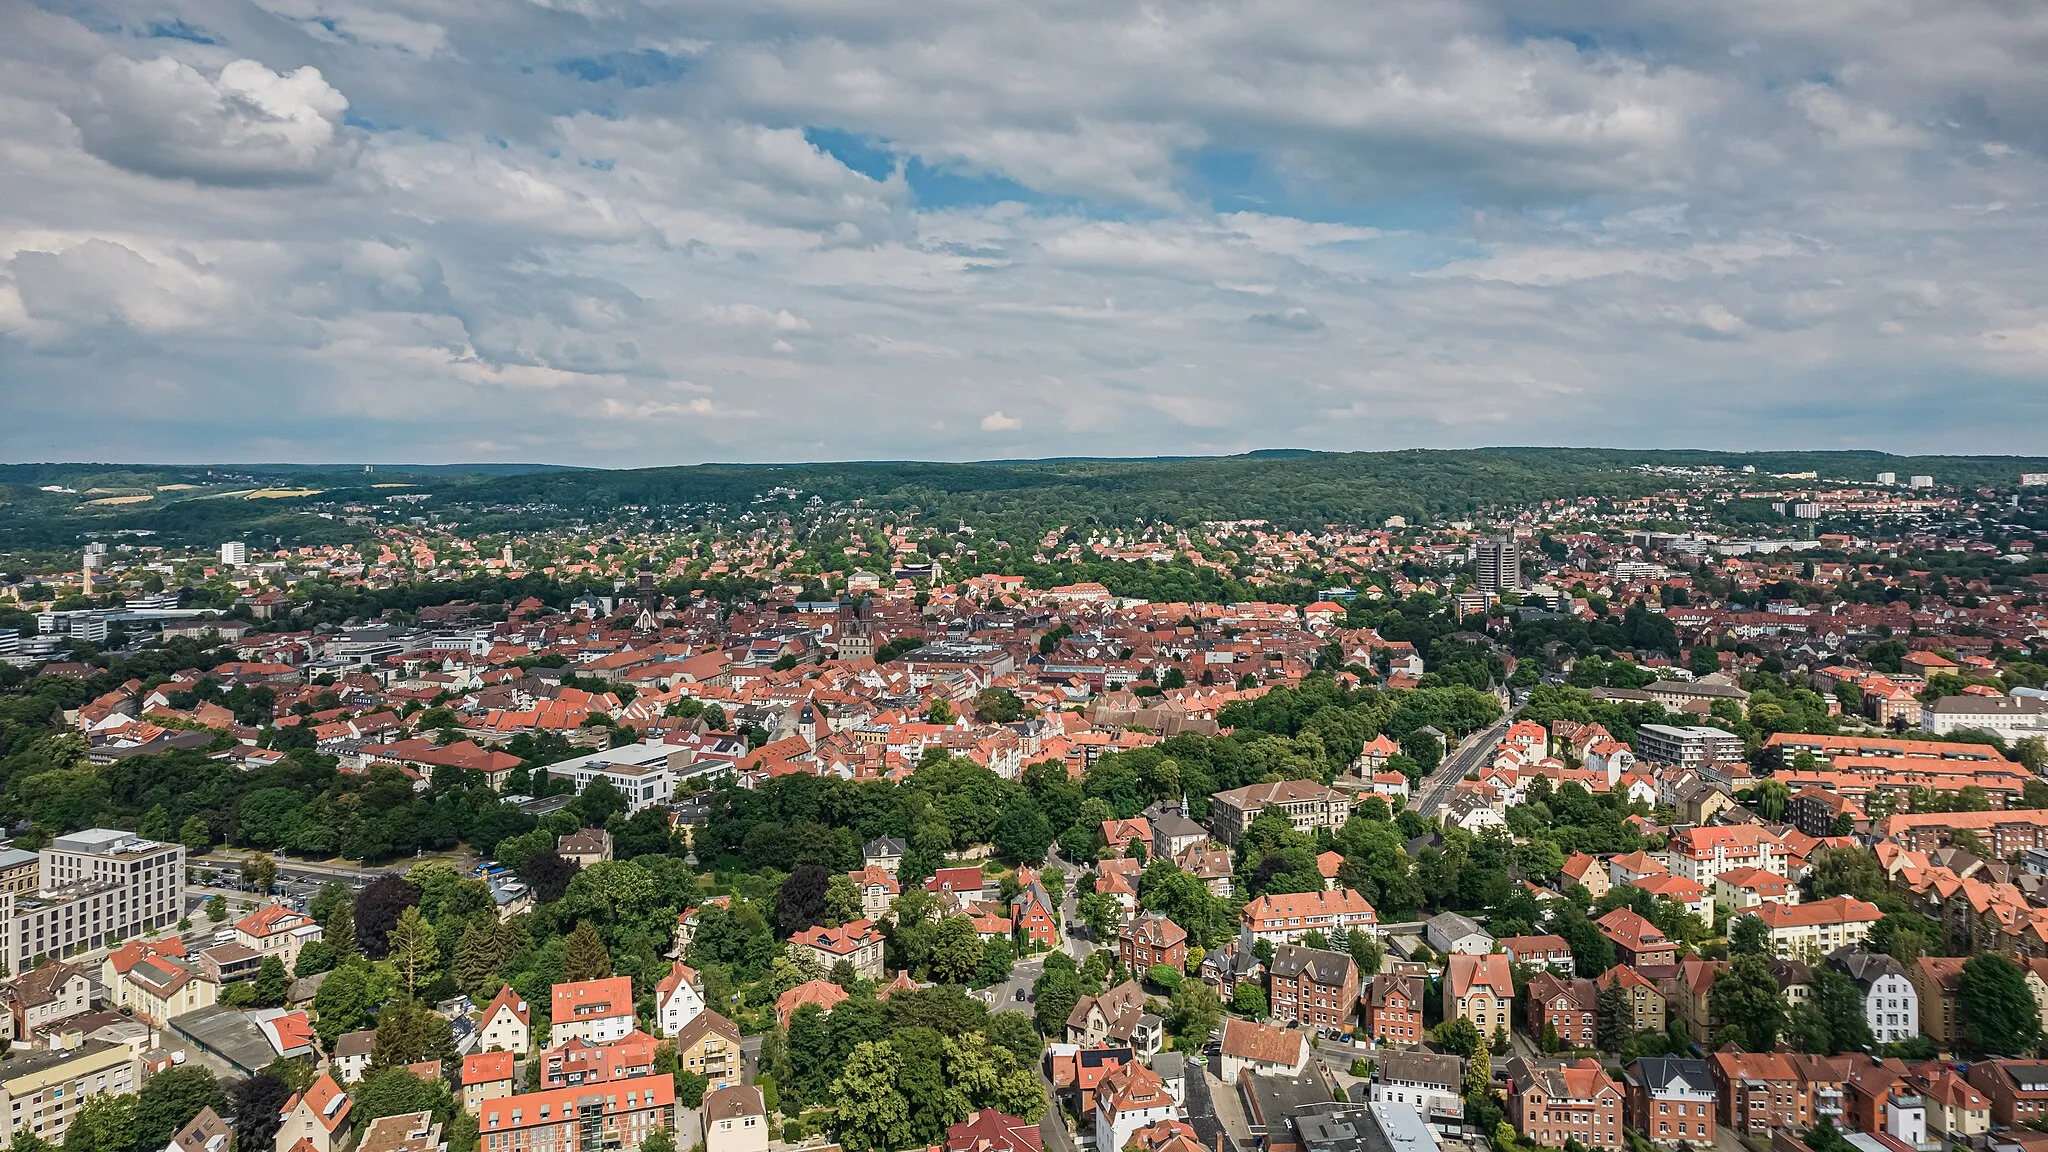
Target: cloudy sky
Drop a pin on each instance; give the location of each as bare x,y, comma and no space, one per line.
613,232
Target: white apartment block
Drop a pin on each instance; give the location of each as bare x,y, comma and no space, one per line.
641,772
96,887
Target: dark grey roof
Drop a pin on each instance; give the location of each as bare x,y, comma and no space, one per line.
1325,968
884,846
1414,1067
1662,1071
1865,968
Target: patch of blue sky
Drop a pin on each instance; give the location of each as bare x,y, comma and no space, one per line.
640,68
867,155
177,30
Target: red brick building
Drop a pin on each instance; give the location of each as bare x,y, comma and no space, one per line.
1555,1100
1569,1006
1311,986
1152,939
1390,1008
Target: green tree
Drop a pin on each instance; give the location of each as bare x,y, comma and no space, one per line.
392,1092
871,1114
1747,996
216,908
599,801
586,957
1749,936
956,951
103,1123
1248,999
1193,1013
414,952
169,1101
196,836
343,1002
1997,1013
341,928
1055,992
1615,1019
272,983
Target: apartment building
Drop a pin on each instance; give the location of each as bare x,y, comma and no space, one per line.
857,942
1702,854
1150,940
1814,930
96,887
1480,989
1671,1100
615,1116
1285,918
1554,1101
41,1090
1565,1007
1312,987
596,1011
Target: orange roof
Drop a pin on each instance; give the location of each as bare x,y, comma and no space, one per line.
485,1067
593,999
1834,910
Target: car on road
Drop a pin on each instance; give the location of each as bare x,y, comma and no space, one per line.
1023,994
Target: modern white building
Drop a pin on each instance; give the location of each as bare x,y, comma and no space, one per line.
644,773
96,887
234,553
2012,717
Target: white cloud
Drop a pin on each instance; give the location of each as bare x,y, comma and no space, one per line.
1302,222
164,118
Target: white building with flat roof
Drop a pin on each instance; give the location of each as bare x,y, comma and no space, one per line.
644,773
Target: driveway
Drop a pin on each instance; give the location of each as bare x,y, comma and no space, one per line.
1215,1113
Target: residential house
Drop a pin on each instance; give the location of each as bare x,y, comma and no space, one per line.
1744,888
1553,1101
1565,1007
878,890
576,1119
709,1045
1248,1046
1935,983
1391,1008
1131,1097
1552,952
1647,1009
1149,940
1890,1002
1450,932
596,1011
316,1120
350,1059
1284,918
1116,1017
1701,854
275,930
506,1024
1816,929
736,1120
678,997
857,942
2017,1090
41,996
1431,1084
1671,1101
1312,987
1589,872
991,1131
585,846
485,1076
1637,941
823,993
1480,989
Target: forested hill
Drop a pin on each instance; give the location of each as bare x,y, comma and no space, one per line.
59,505
1301,489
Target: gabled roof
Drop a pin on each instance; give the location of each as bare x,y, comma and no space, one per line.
325,1099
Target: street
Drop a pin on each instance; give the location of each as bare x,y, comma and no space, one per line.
1469,756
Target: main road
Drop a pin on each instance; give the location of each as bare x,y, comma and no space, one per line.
1469,756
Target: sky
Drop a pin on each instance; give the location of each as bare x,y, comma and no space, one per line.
615,233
